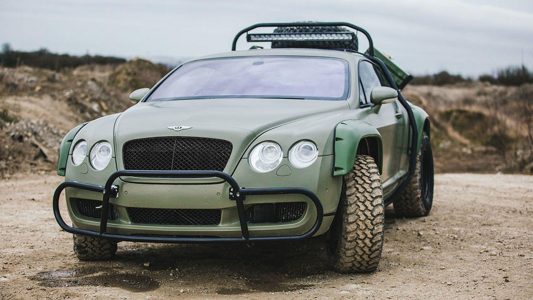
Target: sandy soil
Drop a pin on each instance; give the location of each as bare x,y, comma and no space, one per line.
477,243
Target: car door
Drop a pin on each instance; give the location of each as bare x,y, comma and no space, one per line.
402,133
388,119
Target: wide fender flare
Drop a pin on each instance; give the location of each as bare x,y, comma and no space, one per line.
348,135
422,120
64,149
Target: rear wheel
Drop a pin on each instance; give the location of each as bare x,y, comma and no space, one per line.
417,198
93,248
356,237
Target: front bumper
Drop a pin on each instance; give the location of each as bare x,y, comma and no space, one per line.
236,193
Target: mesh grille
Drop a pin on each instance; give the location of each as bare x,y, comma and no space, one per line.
287,212
276,212
174,216
92,208
176,153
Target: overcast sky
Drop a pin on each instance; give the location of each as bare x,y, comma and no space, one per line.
468,36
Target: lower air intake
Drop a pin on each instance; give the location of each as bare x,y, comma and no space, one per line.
174,216
276,212
92,208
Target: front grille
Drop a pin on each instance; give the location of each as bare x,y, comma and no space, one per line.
176,153
276,212
174,216
93,208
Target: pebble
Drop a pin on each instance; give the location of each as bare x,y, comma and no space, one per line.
344,292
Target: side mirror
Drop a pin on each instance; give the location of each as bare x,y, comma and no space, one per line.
382,94
137,95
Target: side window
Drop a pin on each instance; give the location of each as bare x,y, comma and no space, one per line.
382,78
368,79
362,98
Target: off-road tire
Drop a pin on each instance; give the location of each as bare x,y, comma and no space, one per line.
356,237
93,248
417,198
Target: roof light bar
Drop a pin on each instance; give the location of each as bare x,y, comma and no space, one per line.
316,25
271,37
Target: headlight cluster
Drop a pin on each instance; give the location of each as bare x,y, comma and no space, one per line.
267,156
99,156
303,154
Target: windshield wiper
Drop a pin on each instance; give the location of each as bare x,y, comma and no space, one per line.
231,97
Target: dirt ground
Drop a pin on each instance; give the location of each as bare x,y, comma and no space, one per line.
477,243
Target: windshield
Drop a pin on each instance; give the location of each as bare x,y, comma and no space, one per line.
284,77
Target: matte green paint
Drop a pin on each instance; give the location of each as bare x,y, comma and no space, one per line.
64,149
348,134
138,94
399,76
383,94
336,127
182,194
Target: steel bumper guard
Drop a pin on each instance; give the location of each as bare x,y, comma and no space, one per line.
236,193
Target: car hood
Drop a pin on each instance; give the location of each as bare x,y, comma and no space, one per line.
239,121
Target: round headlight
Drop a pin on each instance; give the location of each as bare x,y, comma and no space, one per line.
101,155
303,154
265,157
79,153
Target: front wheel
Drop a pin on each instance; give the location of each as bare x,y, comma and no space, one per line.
356,236
417,198
94,248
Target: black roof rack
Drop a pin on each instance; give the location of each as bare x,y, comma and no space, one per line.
344,35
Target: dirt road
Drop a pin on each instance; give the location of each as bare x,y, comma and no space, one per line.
477,243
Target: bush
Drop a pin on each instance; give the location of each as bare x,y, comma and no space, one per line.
441,78
510,76
43,58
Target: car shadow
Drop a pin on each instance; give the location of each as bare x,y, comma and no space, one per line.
226,269
220,268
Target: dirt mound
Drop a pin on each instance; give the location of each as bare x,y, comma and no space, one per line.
38,107
137,73
479,127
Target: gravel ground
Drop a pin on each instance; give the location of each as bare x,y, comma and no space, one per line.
477,243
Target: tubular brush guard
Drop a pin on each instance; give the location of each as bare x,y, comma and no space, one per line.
236,193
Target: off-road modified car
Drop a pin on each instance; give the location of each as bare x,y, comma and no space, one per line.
303,137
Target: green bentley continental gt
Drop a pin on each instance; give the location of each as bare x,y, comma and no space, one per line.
306,137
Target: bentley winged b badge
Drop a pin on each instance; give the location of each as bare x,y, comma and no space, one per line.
179,128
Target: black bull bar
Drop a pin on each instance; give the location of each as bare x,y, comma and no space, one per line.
236,193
